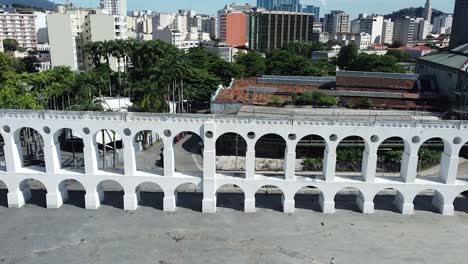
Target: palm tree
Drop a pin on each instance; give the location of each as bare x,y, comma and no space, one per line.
95,50
106,52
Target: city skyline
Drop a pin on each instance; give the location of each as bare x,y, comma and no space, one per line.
211,6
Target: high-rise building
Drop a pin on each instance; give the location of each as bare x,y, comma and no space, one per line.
459,34
372,25
71,30
442,24
404,31
280,5
227,19
387,31
270,30
315,10
337,22
427,13
20,27
205,23
115,7
422,28
233,29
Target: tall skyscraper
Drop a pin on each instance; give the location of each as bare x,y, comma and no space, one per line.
373,25
442,24
460,24
280,5
115,7
427,14
315,10
387,31
270,30
405,31
337,22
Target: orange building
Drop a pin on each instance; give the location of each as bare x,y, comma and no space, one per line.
233,29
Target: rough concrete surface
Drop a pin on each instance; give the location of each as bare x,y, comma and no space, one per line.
71,234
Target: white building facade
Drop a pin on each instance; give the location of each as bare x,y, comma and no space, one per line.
442,24
115,7
70,31
20,27
387,31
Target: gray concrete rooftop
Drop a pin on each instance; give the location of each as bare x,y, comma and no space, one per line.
334,113
110,235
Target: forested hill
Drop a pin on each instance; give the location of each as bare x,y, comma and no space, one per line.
40,4
413,12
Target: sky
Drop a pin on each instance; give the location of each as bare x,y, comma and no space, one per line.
353,7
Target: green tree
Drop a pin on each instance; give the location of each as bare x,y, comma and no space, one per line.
375,63
7,67
11,45
253,62
304,49
400,55
316,98
30,64
346,57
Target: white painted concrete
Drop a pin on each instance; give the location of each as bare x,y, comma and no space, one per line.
86,125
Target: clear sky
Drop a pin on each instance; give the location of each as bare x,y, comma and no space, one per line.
353,7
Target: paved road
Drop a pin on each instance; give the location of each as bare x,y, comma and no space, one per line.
110,235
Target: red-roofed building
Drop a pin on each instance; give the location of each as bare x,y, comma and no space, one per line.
417,52
385,90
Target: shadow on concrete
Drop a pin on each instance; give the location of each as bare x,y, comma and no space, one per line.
233,201
269,201
4,198
346,202
76,198
152,200
308,201
38,198
113,199
461,204
193,144
385,203
424,203
192,201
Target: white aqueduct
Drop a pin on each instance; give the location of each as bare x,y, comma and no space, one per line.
87,125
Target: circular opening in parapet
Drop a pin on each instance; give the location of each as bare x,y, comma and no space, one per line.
167,133
127,132
86,131
457,140
251,135
375,138
6,129
209,134
416,139
333,137
292,137
46,130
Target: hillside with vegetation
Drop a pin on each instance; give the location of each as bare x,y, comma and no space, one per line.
36,4
413,12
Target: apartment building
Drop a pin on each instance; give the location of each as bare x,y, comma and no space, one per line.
71,30
404,31
20,27
387,31
115,7
337,22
